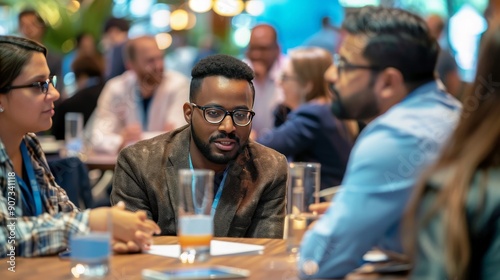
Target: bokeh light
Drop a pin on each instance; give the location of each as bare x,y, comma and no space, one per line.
163,40
200,6
179,19
241,37
228,8
254,7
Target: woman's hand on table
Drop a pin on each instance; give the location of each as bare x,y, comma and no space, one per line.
132,232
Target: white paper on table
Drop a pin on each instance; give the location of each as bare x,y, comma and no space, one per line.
217,248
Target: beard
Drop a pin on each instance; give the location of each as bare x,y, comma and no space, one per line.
149,81
206,151
361,106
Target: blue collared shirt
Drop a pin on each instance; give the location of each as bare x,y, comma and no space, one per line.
384,165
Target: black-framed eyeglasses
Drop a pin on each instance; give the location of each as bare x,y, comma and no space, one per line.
215,115
43,86
343,65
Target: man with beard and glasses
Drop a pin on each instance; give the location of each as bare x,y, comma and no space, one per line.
146,98
250,179
384,76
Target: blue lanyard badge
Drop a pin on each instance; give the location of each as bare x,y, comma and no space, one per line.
219,191
34,193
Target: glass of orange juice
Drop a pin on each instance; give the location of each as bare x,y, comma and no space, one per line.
195,221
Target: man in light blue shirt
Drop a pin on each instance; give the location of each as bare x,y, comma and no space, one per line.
383,75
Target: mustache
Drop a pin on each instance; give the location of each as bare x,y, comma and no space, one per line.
231,136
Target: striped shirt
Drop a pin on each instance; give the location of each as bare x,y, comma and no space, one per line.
48,233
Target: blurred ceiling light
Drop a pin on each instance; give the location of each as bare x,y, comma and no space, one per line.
191,20
163,40
228,8
160,18
179,19
254,7
241,37
140,8
465,28
73,6
243,20
200,6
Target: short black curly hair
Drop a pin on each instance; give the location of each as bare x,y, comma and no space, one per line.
220,65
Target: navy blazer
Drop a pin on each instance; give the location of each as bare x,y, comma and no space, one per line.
312,133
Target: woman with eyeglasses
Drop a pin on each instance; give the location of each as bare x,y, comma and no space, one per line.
36,216
311,133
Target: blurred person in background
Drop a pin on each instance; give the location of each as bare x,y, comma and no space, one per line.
446,66
114,39
452,225
311,132
384,76
32,26
146,98
264,57
85,46
45,219
328,37
89,75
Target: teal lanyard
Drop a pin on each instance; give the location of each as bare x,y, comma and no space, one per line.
142,112
219,191
34,192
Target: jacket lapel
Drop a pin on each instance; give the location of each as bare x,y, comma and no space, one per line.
177,158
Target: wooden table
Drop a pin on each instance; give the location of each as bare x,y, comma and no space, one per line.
273,264
100,161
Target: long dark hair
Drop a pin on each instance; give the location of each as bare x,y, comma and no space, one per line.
473,147
15,52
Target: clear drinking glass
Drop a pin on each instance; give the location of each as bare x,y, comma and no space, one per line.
90,252
303,190
195,222
73,133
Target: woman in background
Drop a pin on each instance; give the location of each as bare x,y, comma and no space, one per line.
455,211
44,217
311,132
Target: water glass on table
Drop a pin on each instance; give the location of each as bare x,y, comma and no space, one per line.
303,189
195,221
90,253
73,133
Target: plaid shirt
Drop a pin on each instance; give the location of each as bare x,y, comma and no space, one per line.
48,233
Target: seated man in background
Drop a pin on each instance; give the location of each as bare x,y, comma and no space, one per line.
144,98
383,75
250,179
265,58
